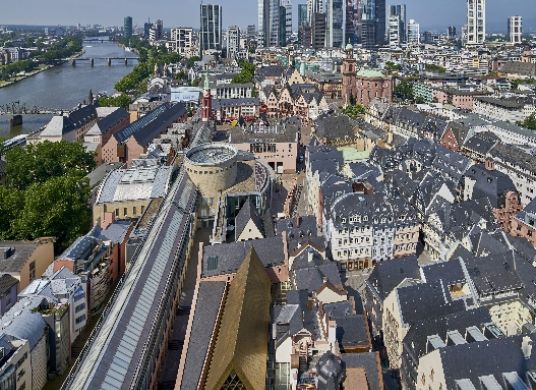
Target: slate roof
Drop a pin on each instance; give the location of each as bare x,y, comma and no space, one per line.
247,213
63,124
335,126
6,283
514,156
313,277
490,184
104,125
352,331
424,300
482,143
22,322
205,315
493,357
221,259
17,253
148,127
416,339
389,274
299,230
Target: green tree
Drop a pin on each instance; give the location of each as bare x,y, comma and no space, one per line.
354,111
59,208
247,73
11,205
122,101
530,122
404,90
391,67
41,162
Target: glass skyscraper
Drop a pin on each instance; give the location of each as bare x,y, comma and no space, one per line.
210,35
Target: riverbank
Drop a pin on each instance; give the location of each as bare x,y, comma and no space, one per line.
41,68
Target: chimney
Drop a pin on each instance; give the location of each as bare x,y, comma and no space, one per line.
526,347
109,218
297,221
310,255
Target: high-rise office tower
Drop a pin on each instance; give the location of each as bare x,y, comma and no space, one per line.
476,22
318,30
335,23
414,33
453,32
398,26
127,27
233,41
146,29
371,26
282,26
252,31
515,29
159,29
313,7
302,15
269,23
352,19
288,17
210,32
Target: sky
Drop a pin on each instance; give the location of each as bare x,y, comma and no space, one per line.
431,14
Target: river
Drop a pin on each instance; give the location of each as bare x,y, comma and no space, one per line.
65,86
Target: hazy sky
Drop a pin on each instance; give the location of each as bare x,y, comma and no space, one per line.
430,13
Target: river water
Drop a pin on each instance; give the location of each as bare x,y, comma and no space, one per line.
65,86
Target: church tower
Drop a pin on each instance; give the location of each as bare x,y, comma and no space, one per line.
349,76
206,103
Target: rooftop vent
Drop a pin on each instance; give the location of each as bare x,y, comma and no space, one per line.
6,252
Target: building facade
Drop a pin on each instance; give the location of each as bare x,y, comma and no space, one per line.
476,22
515,30
211,32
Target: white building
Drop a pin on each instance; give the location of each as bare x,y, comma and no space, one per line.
233,41
515,30
414,33
476,22
182,41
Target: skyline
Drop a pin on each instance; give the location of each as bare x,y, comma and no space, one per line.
432,16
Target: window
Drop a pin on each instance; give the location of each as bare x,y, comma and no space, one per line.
80,307
32,270
125,212
134,210
80,319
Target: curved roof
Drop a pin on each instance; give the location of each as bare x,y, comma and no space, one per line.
211,154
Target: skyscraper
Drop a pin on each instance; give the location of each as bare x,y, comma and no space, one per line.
335,23
288,17
414,33
452,32
397,25
515,30
352,18
269,22
476,22
371,25
159,29
282,26
318,30
210,34
302,15
127,27
313,7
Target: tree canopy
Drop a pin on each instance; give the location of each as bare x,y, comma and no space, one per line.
247,73
46,192
530,122
354,111
404,90
122,101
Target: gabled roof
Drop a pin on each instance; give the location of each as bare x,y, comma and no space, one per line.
148,127
247,213
242,340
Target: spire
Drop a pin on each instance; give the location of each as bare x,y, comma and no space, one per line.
206,84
